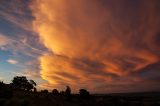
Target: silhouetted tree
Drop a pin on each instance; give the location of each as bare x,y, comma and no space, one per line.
55,92
32,82
84,93
44,91
1,84
34,90
21,82
31,85
68,93
5,91
68,90
62,92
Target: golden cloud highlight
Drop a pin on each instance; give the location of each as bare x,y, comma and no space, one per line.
92,44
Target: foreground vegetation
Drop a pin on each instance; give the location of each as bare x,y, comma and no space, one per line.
22,92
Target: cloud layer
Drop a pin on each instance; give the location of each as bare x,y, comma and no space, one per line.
101,45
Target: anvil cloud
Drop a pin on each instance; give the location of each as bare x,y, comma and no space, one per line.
101,45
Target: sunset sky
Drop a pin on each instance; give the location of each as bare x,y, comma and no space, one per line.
100,45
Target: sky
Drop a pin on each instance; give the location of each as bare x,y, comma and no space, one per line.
104,46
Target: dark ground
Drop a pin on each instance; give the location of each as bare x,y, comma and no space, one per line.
24,98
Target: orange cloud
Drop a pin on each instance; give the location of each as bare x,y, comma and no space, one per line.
91,42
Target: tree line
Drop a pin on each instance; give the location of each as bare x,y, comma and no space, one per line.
23,84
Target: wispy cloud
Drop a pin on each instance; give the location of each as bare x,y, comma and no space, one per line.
20,45
12,61
28,73
18,14
4,40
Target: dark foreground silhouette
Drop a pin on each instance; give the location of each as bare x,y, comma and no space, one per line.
22,92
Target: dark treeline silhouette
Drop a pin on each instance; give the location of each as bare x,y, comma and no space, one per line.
21,82
23,92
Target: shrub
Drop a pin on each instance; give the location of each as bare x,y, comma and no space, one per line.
55,92
44,91
84,93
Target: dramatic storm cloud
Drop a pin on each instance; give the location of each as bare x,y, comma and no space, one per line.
102,45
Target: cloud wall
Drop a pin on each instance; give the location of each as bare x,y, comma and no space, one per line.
101,45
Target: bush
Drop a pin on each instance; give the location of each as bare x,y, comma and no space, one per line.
84,93
55,92
44,91
62,93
